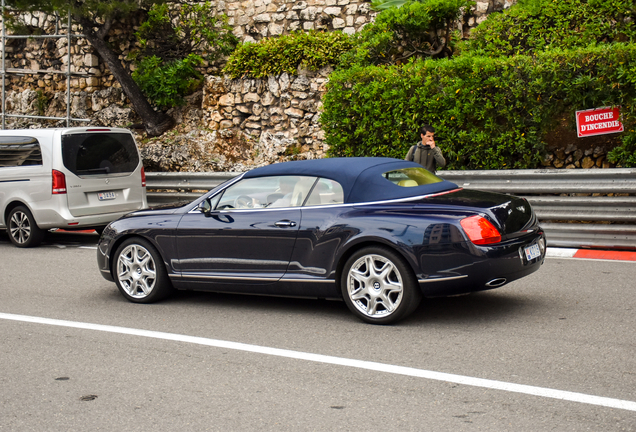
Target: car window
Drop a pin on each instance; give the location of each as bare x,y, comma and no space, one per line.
99,153
267,192
409,177
325,192
19,151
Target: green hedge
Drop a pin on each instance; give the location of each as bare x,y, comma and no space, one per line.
490,113
273,56
536,25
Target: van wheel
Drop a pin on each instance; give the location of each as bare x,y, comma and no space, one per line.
140,273
22,229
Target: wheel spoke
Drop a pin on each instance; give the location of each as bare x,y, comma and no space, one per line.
372,306
141,284
360,293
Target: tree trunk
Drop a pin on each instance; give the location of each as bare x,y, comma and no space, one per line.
155,123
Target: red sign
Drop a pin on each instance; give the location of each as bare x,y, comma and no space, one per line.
598,121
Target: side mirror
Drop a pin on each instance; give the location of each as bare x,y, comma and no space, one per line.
205,207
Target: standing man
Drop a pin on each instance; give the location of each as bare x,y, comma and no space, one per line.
426,153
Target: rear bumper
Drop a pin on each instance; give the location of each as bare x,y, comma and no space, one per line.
478,268
47,219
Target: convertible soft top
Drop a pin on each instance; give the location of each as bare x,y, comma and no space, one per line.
360,177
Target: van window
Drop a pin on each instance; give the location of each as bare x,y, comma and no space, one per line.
19,151
99,153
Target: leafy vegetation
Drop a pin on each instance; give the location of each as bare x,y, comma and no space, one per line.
166,83
537,25
170,40
273,56
416,29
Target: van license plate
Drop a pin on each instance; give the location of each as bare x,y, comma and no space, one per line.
532,252
106,195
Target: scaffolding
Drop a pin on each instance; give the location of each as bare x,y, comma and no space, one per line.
4,71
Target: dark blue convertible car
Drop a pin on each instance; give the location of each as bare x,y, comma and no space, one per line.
379,233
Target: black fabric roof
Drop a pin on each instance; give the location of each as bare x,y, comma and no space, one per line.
360,177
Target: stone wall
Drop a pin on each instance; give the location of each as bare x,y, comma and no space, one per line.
572,156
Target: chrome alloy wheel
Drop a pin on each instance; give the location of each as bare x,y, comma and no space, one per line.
20,227
374,285
136,271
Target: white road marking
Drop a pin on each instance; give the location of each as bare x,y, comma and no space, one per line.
340,361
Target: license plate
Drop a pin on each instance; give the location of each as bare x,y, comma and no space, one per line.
532,252
106,196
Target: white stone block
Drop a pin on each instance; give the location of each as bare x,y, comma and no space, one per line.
275,29
262,18
251,97
338,23
226,100
91,60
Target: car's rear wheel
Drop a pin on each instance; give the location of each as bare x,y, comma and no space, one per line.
139,272
378,286
22,229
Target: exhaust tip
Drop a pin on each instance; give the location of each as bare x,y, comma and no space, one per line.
497,282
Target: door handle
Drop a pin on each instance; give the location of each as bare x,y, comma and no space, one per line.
285,224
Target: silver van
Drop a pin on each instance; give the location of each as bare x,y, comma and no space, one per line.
72,178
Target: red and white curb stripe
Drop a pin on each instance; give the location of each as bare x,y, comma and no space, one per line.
590,254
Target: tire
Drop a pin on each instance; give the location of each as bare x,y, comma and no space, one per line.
139,272
378,286
22,229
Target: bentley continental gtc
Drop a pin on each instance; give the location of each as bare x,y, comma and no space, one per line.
378,233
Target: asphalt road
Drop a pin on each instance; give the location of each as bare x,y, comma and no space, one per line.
569,327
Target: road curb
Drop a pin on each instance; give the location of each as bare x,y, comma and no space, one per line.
590,254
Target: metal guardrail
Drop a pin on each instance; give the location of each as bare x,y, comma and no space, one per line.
562,199
170,188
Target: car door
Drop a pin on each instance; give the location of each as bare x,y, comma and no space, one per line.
241,240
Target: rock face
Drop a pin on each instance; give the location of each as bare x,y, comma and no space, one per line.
231,124
570,157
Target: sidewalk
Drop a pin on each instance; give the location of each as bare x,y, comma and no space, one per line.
553,252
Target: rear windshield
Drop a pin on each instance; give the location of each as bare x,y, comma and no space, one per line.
19,151
99,153
409,177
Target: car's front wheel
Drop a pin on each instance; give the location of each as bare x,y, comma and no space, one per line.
139,272
22,229
378,286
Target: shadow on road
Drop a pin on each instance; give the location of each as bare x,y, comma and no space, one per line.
61,238
478,308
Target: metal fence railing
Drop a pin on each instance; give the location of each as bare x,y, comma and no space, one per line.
577,208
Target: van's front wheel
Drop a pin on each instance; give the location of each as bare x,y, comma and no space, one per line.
22,229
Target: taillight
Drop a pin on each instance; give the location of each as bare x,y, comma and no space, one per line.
480,231
59,182
143,177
